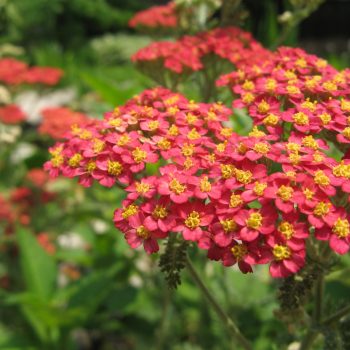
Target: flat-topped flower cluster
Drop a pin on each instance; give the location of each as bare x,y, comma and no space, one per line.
247,200
15,72
188,53
156,17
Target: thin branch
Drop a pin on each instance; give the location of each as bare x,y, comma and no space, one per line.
228,322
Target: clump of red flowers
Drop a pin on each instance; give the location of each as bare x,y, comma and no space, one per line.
247,200
191,52
58,120
11,114
155,17
15,72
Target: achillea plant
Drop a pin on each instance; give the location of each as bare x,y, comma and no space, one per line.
277,196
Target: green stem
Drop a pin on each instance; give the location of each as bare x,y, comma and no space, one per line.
336,316
227,321
316,317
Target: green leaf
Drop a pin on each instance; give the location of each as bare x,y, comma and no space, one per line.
38,268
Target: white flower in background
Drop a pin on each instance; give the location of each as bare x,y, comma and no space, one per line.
32,103
71,240
22,151
99,226
136,281
9,133
5,96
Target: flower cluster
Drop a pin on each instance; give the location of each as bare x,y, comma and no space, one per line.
247,200
188,53
57,121
21,201
15,72
11,114
155,17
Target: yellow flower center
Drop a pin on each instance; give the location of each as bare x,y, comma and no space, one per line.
57,160
292,89
310,142
322,208
261,147
227,171
325,118
300,62
294,158
173,130
311,106
271,84
321,178
164,144
191,118
342,170
293,147
142,232
244,177
123,140
115,122
345,105
228,225
248,85
290,75
176,187
263,107
98,145
285,193
281,252
130,210
254,221
226,132
271,120
248,98
193,134
239,251
139,155
153,125
259,188
221,146
301,118
85,135
188,163
193,220
75,160
346,132
159,212
308,193
318,157
205,185
286,229
341,228
256,132
172,110
114,168
329,86
187,149
235,200
142,187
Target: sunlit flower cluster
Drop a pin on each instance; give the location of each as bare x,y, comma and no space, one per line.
247,200
15,72
189,53
155,17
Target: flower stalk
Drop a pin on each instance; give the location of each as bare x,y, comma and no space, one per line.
226,320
